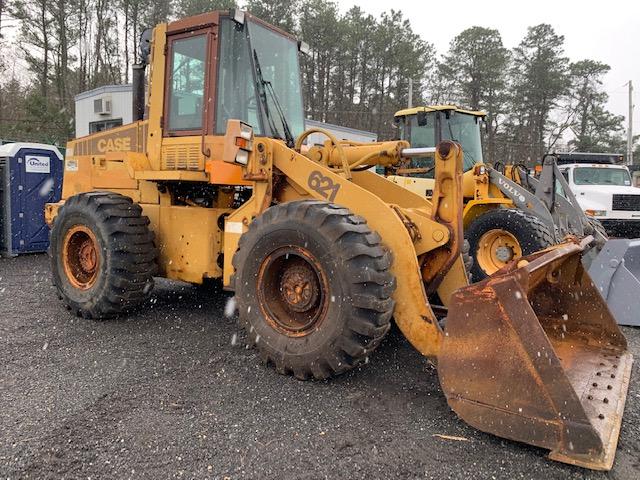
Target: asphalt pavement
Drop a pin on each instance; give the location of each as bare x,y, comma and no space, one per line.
173,392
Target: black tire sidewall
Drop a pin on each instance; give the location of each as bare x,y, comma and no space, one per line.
125,244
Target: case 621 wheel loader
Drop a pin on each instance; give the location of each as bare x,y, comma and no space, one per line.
321,252
509,213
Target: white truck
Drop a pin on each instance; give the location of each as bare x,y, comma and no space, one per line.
603,188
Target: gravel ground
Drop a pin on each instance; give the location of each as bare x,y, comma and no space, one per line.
174,392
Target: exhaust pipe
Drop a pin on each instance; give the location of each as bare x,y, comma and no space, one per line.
138,91
138,70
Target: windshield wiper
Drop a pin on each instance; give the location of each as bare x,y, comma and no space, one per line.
263,97
285,125
266,86
466,154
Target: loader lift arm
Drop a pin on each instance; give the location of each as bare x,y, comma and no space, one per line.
510,361
432,242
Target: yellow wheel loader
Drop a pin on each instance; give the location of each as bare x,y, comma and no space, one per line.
509,213
211,182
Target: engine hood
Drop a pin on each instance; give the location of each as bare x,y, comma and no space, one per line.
599,197
608,189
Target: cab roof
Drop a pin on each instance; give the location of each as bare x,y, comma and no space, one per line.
438,108
11,149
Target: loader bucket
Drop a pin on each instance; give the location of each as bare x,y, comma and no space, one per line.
533,354
615,271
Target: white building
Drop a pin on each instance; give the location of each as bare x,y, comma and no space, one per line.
111,106
340,132
103,108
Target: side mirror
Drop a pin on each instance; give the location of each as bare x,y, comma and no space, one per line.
144,46
304,48
237,15
396,128
422,119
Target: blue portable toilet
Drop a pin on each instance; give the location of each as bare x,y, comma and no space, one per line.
30,176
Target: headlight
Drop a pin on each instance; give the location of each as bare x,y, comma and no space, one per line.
242,157
244,144
246,131
596,213
238,142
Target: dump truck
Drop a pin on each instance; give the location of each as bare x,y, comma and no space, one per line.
211,182
510,212
603,188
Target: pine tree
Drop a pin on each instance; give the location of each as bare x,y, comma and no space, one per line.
540,79
475,68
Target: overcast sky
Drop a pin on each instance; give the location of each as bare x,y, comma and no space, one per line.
607,31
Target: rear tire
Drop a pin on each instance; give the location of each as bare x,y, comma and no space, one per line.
313,288
102,254
501,235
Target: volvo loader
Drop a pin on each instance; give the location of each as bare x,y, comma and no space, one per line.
211,181
509,213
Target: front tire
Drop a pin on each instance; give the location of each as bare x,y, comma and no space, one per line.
313,288
102,254
501,235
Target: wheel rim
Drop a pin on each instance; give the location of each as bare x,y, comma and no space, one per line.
291,291
496,249
81,257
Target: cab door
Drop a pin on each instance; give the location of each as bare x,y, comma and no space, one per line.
188,105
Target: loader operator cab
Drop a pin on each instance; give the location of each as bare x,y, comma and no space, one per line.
223,66
259,79
427,126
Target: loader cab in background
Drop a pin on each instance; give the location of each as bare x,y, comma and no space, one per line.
427,126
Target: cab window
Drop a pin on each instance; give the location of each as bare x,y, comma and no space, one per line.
559,188
421,134
463,129
237,97
601,176
187,82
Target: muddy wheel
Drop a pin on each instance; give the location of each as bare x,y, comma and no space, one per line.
102,254
313,288
502,235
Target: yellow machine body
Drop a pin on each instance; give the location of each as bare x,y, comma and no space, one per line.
164,171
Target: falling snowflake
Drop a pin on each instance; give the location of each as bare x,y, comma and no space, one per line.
230,307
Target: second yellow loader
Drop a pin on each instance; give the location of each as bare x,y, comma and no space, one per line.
509,213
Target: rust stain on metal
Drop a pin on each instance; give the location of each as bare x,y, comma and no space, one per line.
534,355
256,177
290,286
81,257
